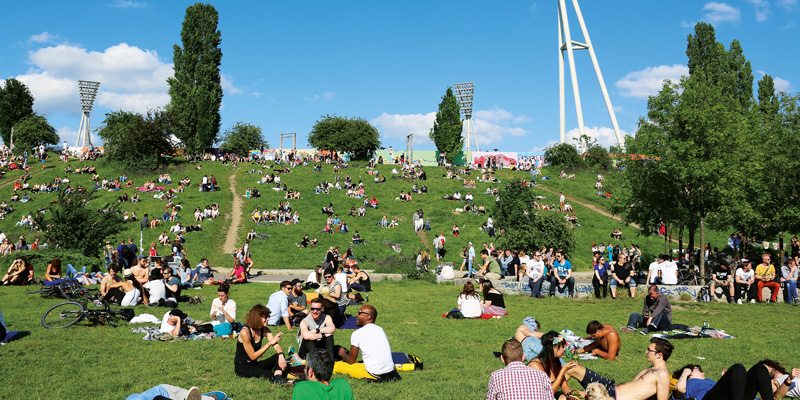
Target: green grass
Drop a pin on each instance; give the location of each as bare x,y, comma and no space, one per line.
104,362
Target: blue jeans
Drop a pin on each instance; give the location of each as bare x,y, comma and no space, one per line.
166,391
536,287
791,290
71,271
659,322
570,285
358,286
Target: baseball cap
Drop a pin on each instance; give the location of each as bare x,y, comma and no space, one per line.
295,281
141,257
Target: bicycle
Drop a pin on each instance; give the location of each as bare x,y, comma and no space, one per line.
69,289
69,313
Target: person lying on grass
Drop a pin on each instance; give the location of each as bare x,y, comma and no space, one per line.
164,391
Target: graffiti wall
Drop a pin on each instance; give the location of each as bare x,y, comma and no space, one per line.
533,159
506,158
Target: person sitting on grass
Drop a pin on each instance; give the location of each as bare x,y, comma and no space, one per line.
278,305
516,380
359,280
53,270
606,340
549,361
372,342
238,274
249,349
316,331
469,301
318,384
656,314
493,302
174,322
16,274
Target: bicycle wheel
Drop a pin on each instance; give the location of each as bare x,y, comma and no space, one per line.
63,315
72,290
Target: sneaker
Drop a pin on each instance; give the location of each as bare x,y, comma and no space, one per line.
295,360
216,395
753,300
291,350
193,394
628,329
645,331
739,301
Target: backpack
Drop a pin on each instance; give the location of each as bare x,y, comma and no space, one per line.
455,314
704,295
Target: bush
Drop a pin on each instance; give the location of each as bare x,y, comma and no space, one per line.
563,155
405,265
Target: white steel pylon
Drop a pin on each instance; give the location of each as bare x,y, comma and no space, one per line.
464,94
88,92
566,44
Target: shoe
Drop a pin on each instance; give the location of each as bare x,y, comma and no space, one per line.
628,329
193,394
295,360
739,301
216,395
645,331
753,300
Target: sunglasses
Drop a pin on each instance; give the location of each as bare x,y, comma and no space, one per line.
316,309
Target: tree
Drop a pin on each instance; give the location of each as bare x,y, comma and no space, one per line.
688,162
563,155
521,227
597,157
75,223
345,135
195,90
242,137
446,131
33,131
16,104
136,140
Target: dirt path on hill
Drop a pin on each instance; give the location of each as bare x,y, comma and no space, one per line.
236,217
424,239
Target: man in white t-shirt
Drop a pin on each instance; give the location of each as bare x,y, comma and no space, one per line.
654,271
744,282
372,342
536,274
157,290
669,271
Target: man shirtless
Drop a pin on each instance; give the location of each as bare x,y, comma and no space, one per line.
606,340
653,381
141,271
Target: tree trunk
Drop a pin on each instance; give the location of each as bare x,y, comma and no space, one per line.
680,242
690,247
780,253
702,250
667,236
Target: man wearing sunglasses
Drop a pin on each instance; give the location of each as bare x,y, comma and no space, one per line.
371,340
316,330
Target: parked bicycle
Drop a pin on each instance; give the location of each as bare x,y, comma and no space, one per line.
69,289
69,313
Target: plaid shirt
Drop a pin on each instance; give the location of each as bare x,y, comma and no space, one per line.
519,382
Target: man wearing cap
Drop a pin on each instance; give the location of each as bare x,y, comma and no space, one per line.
297,302
278,305
373,343
141,272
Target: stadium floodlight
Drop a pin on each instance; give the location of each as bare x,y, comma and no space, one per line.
88,92
565,43
464,94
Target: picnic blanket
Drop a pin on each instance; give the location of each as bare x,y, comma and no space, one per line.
349,322
695,333
155,189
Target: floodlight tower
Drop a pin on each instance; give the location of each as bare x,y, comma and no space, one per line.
88,91
463,92
566,44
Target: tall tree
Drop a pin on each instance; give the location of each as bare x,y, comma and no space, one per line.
563,155
242,137
16,104
195,90
345,135
446,131
33,131
136,140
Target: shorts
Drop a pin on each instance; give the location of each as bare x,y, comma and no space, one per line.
594,377
613,283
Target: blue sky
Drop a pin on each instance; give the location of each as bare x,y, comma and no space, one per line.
285,64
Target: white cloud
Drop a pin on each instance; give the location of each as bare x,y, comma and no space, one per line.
782,85
137,102
227,85
52,93
717,13
787,5
127,4
44,37
604,135
761,8
324,96
71,136
398,126
647,82
490,126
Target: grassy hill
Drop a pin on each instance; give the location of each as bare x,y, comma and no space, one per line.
280,250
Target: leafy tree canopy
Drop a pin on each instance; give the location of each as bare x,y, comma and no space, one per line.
242,137
16,104
196,89
76,223
345,135
136,140
520,227
563,155
446,131
33,131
